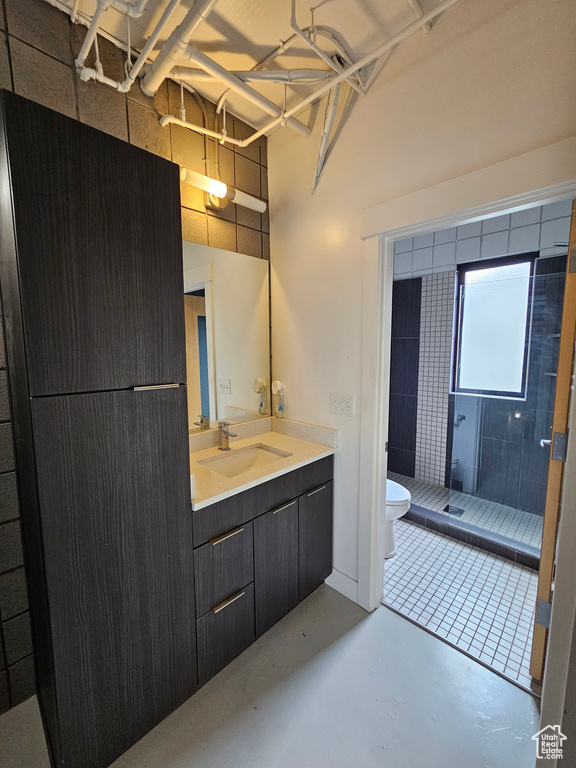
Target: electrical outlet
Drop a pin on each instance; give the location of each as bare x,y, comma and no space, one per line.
342,404
224,386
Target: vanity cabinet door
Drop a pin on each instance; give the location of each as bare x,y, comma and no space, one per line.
114,502
99,252
315,538
275,564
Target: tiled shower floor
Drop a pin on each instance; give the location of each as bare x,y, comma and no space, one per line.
477,601
516,524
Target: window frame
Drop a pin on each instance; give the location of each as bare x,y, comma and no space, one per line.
473,266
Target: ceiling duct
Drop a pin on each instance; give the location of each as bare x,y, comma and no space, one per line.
179,51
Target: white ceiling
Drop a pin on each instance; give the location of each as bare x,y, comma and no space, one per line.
240,33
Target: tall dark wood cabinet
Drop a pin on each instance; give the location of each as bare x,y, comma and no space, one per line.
91,277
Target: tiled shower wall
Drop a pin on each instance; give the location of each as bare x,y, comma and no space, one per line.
433,258
405,351
38,45
434,376
535,229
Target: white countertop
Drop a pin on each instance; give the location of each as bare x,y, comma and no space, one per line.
210,486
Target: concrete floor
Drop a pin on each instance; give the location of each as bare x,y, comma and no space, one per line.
329,686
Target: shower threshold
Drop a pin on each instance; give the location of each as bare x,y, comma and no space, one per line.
517,552
512,533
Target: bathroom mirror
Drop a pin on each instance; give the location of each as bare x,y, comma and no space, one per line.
226,301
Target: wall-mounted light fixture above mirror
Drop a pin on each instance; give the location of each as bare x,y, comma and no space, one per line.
217,189
227,334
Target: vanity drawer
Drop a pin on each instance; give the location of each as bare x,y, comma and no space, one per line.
222,516
223,566
224,632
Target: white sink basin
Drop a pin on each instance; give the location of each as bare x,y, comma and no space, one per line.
238,460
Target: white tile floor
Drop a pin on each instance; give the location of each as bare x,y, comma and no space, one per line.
479,602
516,524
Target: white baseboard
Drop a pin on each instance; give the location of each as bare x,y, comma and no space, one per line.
343,584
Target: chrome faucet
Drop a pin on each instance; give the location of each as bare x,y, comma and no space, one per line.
204,422
224,436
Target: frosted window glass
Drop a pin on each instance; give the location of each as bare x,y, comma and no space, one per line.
493,328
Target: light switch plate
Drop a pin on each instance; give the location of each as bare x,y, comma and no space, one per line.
342,404
224,386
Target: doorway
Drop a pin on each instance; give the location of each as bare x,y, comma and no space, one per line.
473,358
197,379
378,282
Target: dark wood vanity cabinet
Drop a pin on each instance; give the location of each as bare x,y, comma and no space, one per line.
271,547
276,564
223,566
224,632
91,279
314,538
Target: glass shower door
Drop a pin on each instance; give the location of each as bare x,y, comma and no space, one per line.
499,443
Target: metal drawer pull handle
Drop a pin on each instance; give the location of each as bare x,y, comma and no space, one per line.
156,386
227,602
225,536
284,507
316,491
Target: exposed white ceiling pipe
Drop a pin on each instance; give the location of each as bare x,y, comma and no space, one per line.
134,11
284,46
329,118
417,8
233,82
175,46
74,12
101,6
222,137
290,76
363,62
172,120
93,74
319,52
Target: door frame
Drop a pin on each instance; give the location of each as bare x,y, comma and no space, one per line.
200,278
379,236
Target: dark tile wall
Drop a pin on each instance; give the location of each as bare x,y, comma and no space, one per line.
38,45
513,466
406,302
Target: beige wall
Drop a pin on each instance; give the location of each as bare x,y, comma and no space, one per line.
38,45
494,79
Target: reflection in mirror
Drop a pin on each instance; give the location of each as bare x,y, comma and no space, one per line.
227,335
196,356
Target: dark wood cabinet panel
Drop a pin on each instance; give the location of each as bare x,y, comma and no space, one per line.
223,566
275,564
115,511
225,632
99,249
314,539
222,516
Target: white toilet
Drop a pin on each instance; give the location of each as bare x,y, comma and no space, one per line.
397,504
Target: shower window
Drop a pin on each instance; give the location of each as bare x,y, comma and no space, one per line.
493,327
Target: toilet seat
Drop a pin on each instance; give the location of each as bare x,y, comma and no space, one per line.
396,494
